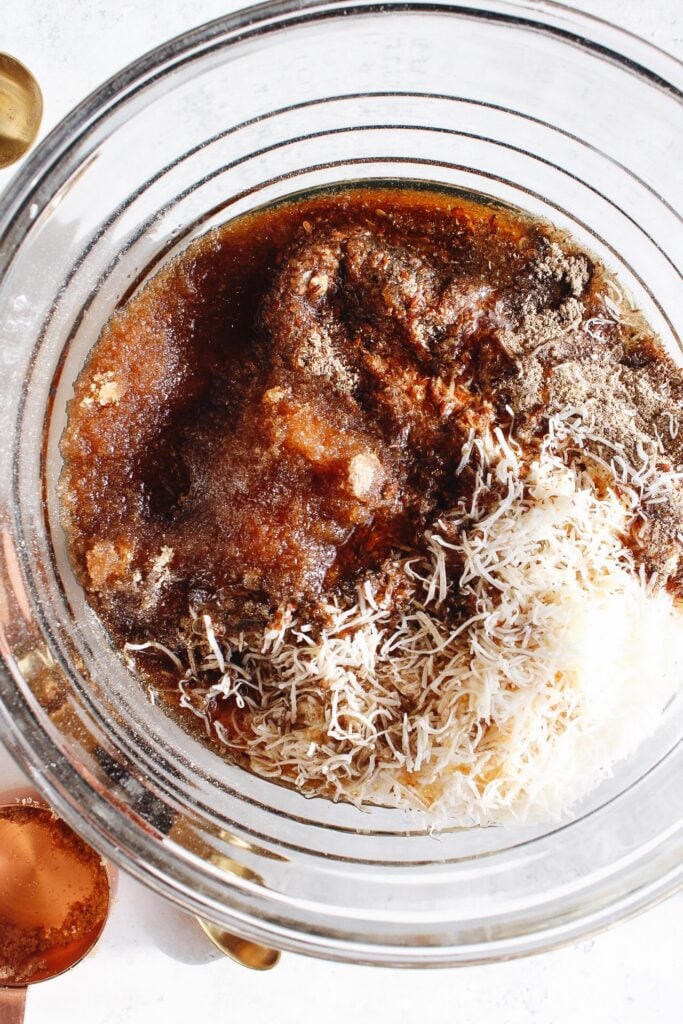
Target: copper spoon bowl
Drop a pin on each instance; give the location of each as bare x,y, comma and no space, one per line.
55,893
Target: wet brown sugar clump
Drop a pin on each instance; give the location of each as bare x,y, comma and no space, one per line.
278,408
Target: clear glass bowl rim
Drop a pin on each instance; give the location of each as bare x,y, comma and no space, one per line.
603,38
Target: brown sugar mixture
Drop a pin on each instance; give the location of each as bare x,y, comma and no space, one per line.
280,419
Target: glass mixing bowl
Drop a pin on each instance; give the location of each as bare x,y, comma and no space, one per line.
530,103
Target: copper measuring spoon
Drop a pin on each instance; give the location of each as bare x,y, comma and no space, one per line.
55,893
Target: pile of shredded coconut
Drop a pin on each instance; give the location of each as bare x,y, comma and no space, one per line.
495,680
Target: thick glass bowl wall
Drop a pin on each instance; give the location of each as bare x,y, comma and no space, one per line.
529,104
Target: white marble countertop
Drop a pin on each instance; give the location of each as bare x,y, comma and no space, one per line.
153,963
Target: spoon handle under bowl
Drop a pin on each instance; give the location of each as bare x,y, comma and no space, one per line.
12,1005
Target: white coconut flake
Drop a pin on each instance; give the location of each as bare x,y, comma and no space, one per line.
562,665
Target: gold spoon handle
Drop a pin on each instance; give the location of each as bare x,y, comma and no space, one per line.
249,954
12,1005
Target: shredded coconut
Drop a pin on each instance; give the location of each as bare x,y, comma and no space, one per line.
563,658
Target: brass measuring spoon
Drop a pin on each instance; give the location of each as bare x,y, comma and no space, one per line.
55,892
244,952
21,109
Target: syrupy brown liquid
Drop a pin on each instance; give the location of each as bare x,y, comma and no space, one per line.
54,895
281,407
